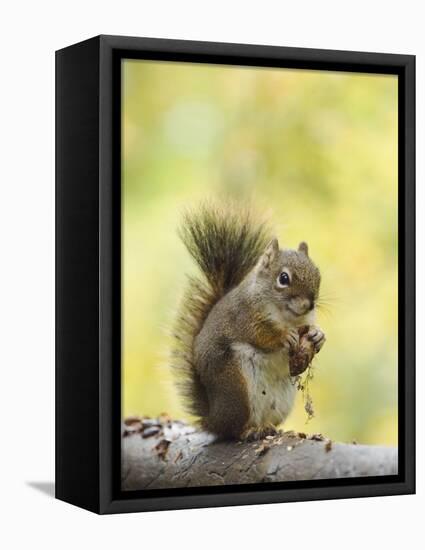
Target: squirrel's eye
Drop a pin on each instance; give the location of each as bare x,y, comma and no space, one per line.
283,279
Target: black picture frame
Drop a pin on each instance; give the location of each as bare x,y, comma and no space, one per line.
88,266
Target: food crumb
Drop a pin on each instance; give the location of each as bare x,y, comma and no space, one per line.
316,437
149,432
162,448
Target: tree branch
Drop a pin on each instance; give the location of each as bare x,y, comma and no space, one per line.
160,453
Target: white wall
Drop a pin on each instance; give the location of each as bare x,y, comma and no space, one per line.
30,32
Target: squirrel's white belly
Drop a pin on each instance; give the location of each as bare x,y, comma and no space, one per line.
270,388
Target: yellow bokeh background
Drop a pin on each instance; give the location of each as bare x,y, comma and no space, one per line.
317,151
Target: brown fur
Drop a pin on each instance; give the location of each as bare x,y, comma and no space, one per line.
229,406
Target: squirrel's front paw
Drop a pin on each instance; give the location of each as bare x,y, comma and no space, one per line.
291,340
311,341
317,336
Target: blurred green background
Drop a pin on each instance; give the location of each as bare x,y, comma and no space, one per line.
315,150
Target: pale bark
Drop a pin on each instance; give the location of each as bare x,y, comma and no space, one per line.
166,454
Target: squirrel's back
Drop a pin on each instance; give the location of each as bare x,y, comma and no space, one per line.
226,244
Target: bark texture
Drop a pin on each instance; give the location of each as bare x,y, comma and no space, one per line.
161,453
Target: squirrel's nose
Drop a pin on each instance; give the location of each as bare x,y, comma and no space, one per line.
305,304
302,304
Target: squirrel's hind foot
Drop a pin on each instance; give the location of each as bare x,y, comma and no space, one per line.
255,434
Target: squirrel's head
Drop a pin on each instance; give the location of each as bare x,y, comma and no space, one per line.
289,280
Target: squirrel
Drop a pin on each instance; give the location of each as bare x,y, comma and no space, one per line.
240,322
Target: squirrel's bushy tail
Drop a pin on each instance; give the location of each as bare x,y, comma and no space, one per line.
225,244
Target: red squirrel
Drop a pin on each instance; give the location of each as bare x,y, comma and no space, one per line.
239,323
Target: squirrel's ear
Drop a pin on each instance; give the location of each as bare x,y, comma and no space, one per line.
303,247
270,254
